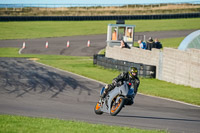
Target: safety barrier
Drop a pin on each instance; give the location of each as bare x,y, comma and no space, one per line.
147,71
81,18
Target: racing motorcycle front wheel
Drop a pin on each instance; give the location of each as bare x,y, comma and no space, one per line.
116,105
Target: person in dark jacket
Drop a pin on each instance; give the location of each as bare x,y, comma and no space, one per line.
158,44
130,76
150,44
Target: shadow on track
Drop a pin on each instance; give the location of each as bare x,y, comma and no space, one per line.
158,118
20,77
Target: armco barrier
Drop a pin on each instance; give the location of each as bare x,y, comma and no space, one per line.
147,71
82,18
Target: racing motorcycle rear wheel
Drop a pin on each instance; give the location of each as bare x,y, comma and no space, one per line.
97,109
116,105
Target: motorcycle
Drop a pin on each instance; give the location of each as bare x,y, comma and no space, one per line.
116,99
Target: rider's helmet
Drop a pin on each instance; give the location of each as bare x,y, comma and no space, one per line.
133,72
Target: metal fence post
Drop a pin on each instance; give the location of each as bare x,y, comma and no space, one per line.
160,65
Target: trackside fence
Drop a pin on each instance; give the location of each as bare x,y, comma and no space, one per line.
83,18
147,71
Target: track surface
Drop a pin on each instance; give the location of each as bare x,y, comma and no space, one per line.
31,89
78,44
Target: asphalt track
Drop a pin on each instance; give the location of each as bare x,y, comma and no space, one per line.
31,89
78,44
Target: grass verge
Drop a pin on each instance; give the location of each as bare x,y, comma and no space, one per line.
41,29
85,64
172,42
21,124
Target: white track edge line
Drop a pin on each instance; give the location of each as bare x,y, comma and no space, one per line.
20,50
172,100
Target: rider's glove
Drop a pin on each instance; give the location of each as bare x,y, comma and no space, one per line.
106,87
114,83
119,83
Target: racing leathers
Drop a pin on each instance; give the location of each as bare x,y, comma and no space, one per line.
124,76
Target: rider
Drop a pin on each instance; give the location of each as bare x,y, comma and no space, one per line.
130,76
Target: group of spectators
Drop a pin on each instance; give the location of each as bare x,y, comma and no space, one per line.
150,44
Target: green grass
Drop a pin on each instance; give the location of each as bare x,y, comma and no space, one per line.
21,124
164,89
171,42
84,66
41,29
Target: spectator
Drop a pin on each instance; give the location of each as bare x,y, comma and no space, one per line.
142,44
114,34
150,44
129,32
158,44
124,45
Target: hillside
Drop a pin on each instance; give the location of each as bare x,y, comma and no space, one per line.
102,11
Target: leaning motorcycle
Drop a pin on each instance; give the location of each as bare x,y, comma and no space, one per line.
115,100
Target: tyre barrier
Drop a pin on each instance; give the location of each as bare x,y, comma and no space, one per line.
147,71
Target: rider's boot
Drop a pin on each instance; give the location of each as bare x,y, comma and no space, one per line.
133,97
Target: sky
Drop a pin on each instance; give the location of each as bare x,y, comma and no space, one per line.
94,1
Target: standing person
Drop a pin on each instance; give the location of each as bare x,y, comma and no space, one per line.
130,76
142,44
129,32
150,44
158,44
114,34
